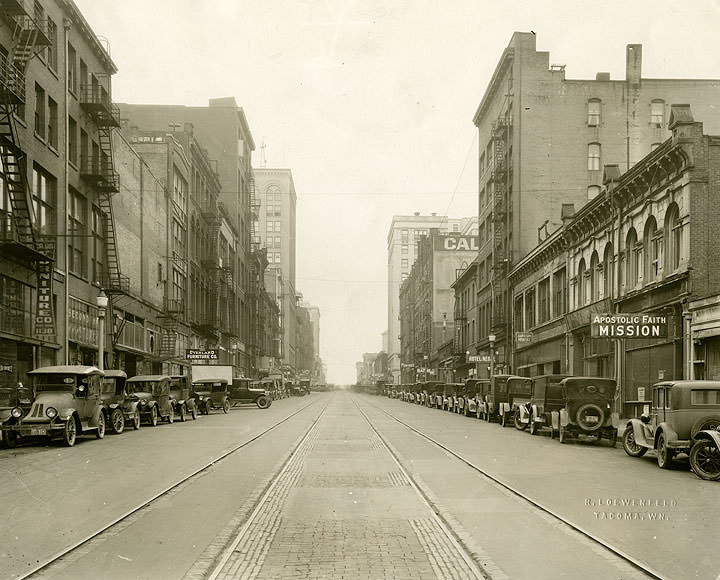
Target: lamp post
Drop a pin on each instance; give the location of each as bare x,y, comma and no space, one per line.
491,339
101,301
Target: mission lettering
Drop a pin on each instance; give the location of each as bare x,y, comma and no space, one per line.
628,326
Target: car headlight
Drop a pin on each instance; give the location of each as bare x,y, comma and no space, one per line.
51,412
143,402
16,412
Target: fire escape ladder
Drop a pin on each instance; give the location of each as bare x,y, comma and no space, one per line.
499,219
114,282
254,212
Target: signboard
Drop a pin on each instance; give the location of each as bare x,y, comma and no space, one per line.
523,336
459,243
628,326
478,358
199,354
44,316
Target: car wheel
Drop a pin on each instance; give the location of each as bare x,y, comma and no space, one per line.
193,413
171,415
705,460
664,453
69,433
704,424
182,413
263,402
100,431
590,410
226,406
519,425
153,417
631,446
563,434
137,421
503,419
117,421
533,425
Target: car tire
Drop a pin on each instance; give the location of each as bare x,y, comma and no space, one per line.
69,433
563,436
263,402
193,413
137,420
182,413
171,416
705,460
519,425
594,409
153,416
533,426
630,446
100,431
226,406
708,423
664,453
117,421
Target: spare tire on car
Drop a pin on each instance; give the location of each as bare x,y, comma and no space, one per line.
590,417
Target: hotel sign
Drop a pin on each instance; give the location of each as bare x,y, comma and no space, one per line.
628,326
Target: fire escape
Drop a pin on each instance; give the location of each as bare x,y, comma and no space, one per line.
209,325
97,169
501,252
19,235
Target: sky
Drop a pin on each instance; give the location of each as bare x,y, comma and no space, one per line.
370,104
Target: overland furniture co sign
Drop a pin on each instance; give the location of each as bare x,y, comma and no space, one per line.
628,326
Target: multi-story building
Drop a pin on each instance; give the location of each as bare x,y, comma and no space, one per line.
58,243
222,128
372,369
403,238
427,302
623,288
544,140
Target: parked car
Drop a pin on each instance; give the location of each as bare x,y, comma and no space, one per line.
246,391
448,396
461,398
588,409
497,394
121,404
546,400
427,391
153,393
517,393
11,396
434,394
479,401
211,393
182,398
67,404
681,411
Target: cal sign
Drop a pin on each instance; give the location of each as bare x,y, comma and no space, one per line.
455,243
628,326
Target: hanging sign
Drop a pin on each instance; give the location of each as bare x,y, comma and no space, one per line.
44,314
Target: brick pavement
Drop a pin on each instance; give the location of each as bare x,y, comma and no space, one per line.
344,510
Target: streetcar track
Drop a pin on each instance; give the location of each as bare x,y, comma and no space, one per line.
547,511
49,561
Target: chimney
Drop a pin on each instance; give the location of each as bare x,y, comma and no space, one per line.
602,76
633,64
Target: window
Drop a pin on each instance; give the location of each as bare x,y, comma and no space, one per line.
657,112
608,277
77,239
652,246
593,191
52,128
631,270
72,69
404,263
44,193
593,111
518,314
178,231
180,188
530,308
277,226
708,397
544,300
97,257
559,289
581,287
39,111
52,51
277,241
593,278
673,228
594,157
269,241
72,141
404,249
83,74
404,237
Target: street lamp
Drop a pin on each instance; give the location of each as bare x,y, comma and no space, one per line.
102,302
491,339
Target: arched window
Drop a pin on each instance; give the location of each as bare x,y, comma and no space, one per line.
608,277
631,269
673,236
594,274
594,157
651,251
593,119
581,288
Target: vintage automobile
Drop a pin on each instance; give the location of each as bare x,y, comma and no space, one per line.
244,390
546,398
11,396
428,390
211,393
588,409
121,404
448,396
434,394
497,393
518,391
153,393
705,454
479,401
460,400
67,404
680,411
181,398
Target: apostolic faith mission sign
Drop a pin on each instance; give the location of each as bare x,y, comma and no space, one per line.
628,326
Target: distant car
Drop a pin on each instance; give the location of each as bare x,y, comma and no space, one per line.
681,413
588,409
153,393
518,390
497,394
211,393
181,397
121,404
543,408
67,404
244,390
